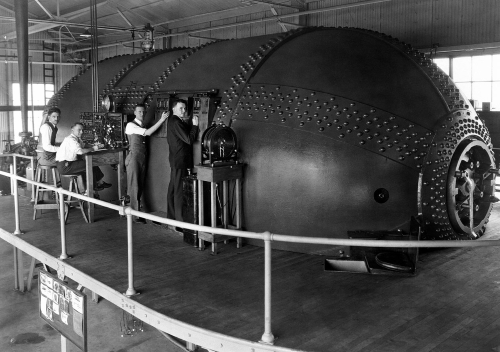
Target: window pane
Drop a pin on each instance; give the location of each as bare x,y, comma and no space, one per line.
481,91
461,69
38,92
465,89
496,67
481,68
495,102
443,64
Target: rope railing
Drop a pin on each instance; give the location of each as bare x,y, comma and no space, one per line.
266,237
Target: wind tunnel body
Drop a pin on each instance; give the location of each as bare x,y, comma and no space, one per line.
340,129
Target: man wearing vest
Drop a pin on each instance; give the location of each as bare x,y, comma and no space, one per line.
47,138
181,134
135,163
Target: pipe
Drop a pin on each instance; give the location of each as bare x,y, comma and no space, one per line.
295,14
32,101
21,12
44,63
267,337
69,24
130,245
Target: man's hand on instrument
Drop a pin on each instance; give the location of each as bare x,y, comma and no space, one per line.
165,115
195,120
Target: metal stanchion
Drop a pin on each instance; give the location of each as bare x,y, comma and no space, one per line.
267,337
16,198
62,213
18,254
131,290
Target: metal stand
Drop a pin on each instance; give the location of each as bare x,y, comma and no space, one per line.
214,175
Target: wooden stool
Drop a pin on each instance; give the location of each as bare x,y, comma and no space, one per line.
73,187
41,175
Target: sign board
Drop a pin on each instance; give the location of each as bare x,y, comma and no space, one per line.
63,308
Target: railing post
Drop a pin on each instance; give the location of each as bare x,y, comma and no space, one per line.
62,218
267,337
16,197
130,290
18,254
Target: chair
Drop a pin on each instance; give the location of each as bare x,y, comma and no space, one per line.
41,175
73,187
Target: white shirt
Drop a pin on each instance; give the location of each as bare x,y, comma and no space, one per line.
45,134
69,149
132,128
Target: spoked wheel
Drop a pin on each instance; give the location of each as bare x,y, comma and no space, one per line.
471,187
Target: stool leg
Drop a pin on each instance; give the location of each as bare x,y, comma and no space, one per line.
55,183
37,177
68,202
81,202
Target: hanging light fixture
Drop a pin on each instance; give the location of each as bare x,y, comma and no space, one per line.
148,44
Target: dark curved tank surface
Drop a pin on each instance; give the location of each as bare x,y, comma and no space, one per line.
339,128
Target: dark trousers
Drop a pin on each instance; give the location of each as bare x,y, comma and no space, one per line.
78,167
175,195
135,163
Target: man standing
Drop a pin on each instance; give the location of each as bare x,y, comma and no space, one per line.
47,138
135,163
69,161
181,134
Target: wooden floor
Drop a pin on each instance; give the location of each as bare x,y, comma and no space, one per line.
453,304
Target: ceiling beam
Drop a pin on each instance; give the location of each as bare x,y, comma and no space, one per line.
43,25
126,20
202,15
275,14
290,15
271,3
44,9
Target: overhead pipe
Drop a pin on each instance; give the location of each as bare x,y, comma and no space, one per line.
21,12
290,15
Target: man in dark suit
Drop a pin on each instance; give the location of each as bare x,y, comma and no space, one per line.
181,134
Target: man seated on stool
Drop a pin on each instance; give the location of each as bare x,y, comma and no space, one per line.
69,161
47,138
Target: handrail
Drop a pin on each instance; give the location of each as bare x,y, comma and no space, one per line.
266,237
274,237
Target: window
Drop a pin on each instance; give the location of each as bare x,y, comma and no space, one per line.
477,77
38,99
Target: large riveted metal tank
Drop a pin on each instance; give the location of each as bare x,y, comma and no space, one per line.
340,129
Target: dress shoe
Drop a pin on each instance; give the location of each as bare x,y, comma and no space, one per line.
140,221
98,188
